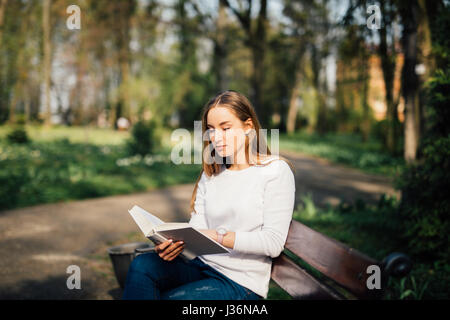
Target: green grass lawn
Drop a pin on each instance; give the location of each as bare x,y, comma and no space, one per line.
88,135
347,149
62,164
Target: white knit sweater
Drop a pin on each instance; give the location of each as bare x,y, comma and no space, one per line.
257,204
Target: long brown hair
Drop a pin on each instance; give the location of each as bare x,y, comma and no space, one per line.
242,108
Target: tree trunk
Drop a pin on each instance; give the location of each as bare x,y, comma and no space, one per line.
17,87
123,13
410,83
425,57
388,64
77,97
47,59
256,40
258,45
3,4
13,103
124,96
220,50
320,89
27,104
293,104
365,76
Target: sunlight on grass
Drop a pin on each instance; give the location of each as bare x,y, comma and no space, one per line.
347,149
56,166
90,135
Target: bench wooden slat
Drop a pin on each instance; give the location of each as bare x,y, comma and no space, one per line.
298,283
345,265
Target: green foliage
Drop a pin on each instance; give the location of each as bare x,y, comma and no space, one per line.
416,292
375,231
425,184
437,89
425,202
18,135
379,130
426,281
143,138
12,182
440,24
370,229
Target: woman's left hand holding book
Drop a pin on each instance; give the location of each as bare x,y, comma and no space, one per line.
169,250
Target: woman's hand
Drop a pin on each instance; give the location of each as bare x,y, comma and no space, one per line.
168,250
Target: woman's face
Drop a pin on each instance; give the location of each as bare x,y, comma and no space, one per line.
227,133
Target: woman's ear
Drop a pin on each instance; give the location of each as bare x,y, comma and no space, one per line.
249,125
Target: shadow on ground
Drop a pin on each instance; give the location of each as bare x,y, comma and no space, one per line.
53,288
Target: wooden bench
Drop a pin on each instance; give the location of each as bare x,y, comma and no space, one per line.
343,270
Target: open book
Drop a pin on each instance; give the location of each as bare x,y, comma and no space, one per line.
196,243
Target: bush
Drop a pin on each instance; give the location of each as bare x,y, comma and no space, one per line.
143,138
12,182
379,130
425,202
438,115
18,135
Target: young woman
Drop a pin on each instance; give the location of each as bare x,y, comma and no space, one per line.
244,199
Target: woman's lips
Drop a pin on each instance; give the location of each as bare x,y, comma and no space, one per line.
220,147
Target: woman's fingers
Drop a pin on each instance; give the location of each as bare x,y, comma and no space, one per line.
174,253
169,249
160,247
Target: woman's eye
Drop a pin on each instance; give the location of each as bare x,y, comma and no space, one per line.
225,129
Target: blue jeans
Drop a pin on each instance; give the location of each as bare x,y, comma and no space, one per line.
152,278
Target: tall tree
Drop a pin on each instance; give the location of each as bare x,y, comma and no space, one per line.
123,13
386,50
319,51
257,42
220,49
388,55
3,4
302,32
409,11
425,57
47,66
218,29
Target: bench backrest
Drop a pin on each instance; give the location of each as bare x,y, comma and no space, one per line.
345,266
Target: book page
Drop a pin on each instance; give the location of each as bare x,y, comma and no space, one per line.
150,217
144,220
172,225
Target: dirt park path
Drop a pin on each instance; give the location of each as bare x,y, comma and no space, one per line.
38,243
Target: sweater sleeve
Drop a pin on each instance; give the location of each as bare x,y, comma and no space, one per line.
278,207
198,220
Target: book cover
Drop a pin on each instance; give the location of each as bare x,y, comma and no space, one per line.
196,243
